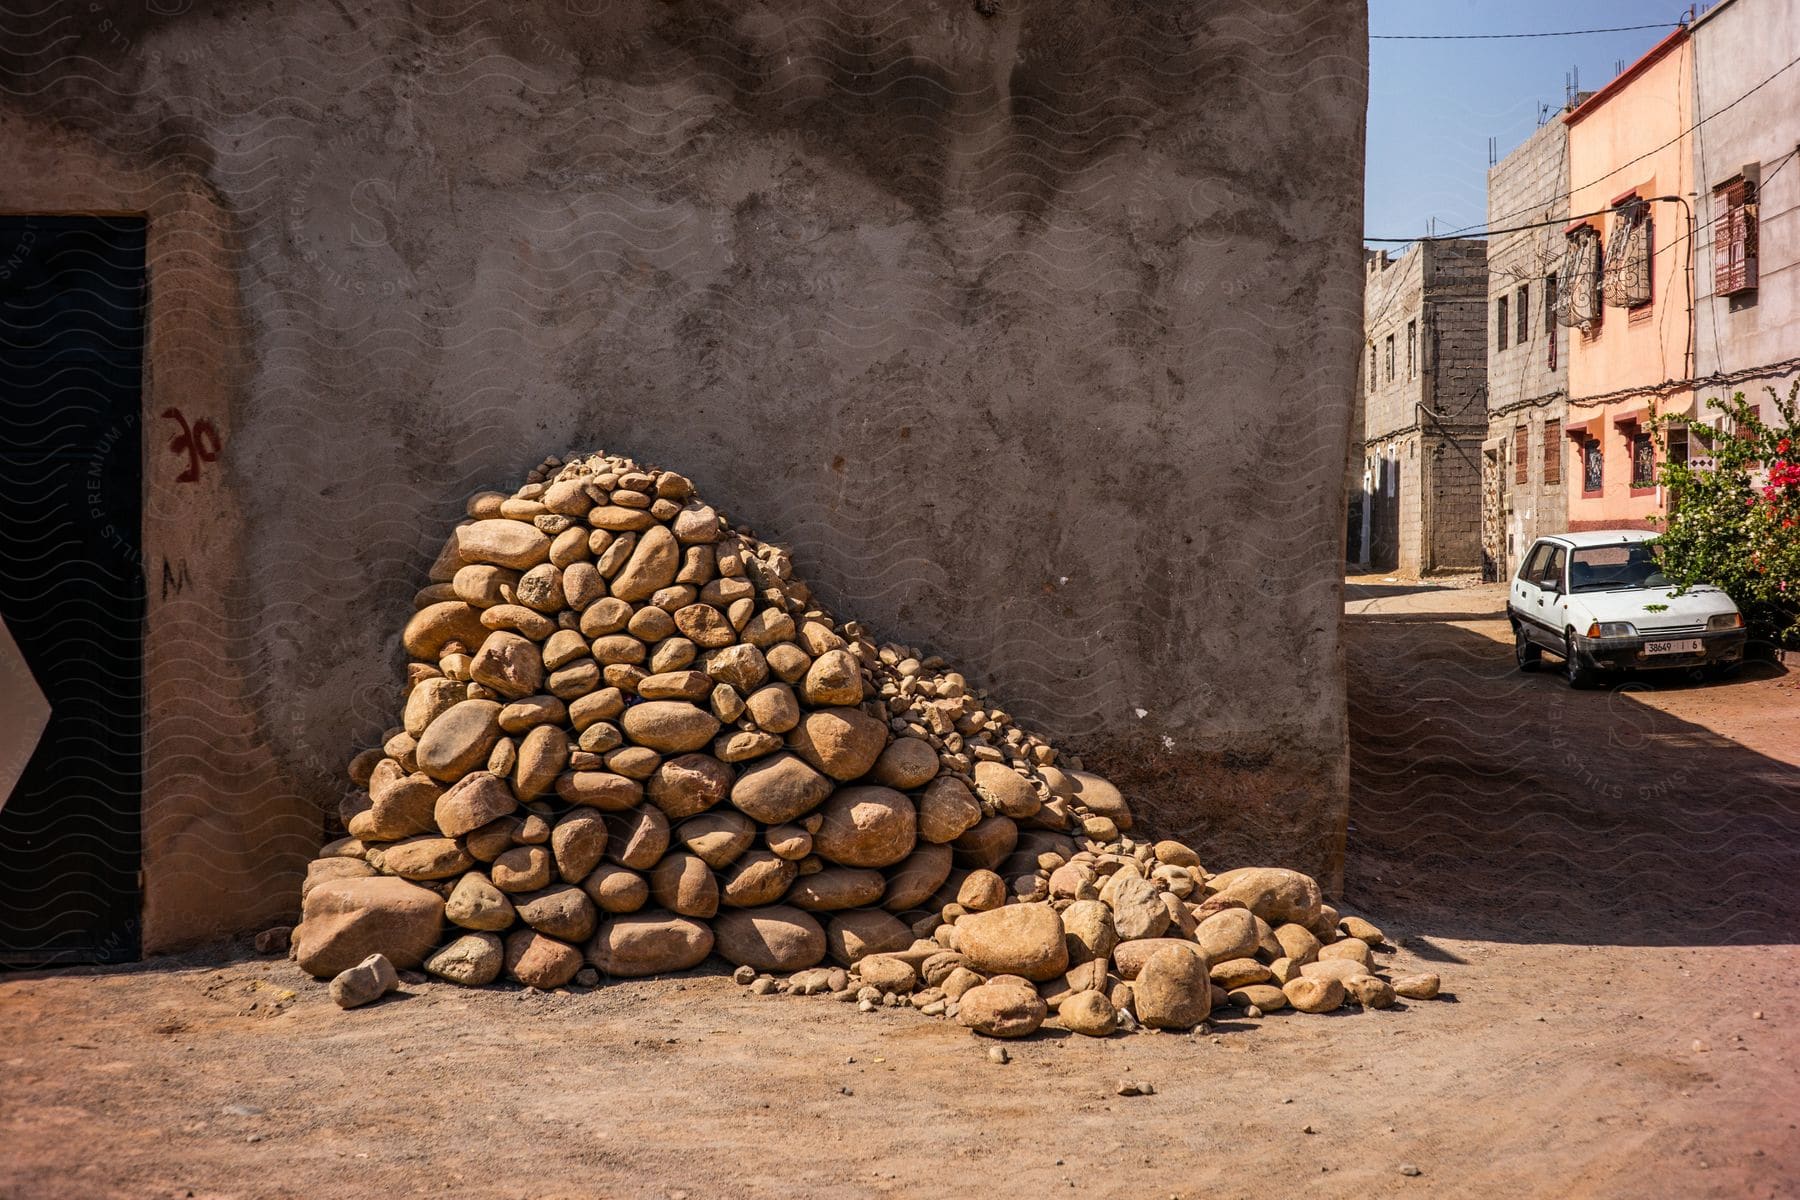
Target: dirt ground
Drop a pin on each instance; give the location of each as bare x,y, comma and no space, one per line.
1607,882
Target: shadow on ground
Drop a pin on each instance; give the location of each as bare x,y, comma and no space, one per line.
1491,804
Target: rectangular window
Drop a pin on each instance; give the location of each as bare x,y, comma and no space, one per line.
1371,366
1550,317
1643,462
1390,358
1678,444
1522,454
1412,349
1748,433
1593,467
1734,237
1522,302
1500,323
1553,451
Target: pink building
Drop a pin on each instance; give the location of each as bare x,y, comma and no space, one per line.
1625,285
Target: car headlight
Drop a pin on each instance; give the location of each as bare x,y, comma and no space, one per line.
1612,629
1729,620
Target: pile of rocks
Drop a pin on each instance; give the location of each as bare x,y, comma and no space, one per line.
631,739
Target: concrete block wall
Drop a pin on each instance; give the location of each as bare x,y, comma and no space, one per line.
1453,536
1527,186
1393,298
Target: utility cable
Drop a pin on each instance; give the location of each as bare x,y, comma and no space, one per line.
1640,158
1487,233
1485,37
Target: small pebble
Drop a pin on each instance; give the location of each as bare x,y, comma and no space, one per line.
1409,1170
998,1054
1135,1087
744,975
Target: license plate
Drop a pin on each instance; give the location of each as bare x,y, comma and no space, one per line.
1674,646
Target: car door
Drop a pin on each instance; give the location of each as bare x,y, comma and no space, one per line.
1527,600
1553,597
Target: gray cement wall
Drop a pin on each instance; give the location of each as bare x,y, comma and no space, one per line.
1426,419
1028,327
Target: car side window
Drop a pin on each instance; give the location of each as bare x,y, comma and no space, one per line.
1553,573
1533,569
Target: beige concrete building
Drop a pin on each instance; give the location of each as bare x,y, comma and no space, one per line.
1421,413
1524,493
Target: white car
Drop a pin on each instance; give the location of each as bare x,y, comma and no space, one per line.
1601,603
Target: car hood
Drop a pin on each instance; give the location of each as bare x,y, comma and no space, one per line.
1638,605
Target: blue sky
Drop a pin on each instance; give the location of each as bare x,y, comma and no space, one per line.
1433,105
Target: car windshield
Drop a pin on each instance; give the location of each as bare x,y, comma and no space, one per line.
1615,568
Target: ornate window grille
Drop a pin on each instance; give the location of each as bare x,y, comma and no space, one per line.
1734,237
1628,256
1578,281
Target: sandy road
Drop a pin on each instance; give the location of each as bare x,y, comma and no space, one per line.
1606,881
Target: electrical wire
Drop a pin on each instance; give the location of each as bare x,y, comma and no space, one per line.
1472,233
1476,235
1640,158
1486,37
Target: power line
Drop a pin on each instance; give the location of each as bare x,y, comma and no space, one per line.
1484,37
1640,158
1474,234
1487,233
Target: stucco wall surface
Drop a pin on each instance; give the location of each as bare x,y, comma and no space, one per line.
1029,327
1738,45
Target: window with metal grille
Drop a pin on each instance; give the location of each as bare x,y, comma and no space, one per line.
1626,281
1578,281
1553,451
1371,366
1522,302
1521,454
1412,349
1643,461
1734,237
1593,467
1500,323
1390,358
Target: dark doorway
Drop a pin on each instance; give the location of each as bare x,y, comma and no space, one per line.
1384,516
72,581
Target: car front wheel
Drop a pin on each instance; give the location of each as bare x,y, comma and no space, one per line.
1527,652
1579,676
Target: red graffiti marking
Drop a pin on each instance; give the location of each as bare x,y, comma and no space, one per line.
200,443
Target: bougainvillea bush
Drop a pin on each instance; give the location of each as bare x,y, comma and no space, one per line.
1734,513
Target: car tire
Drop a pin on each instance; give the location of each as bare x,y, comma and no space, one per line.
1527,653
1579,676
